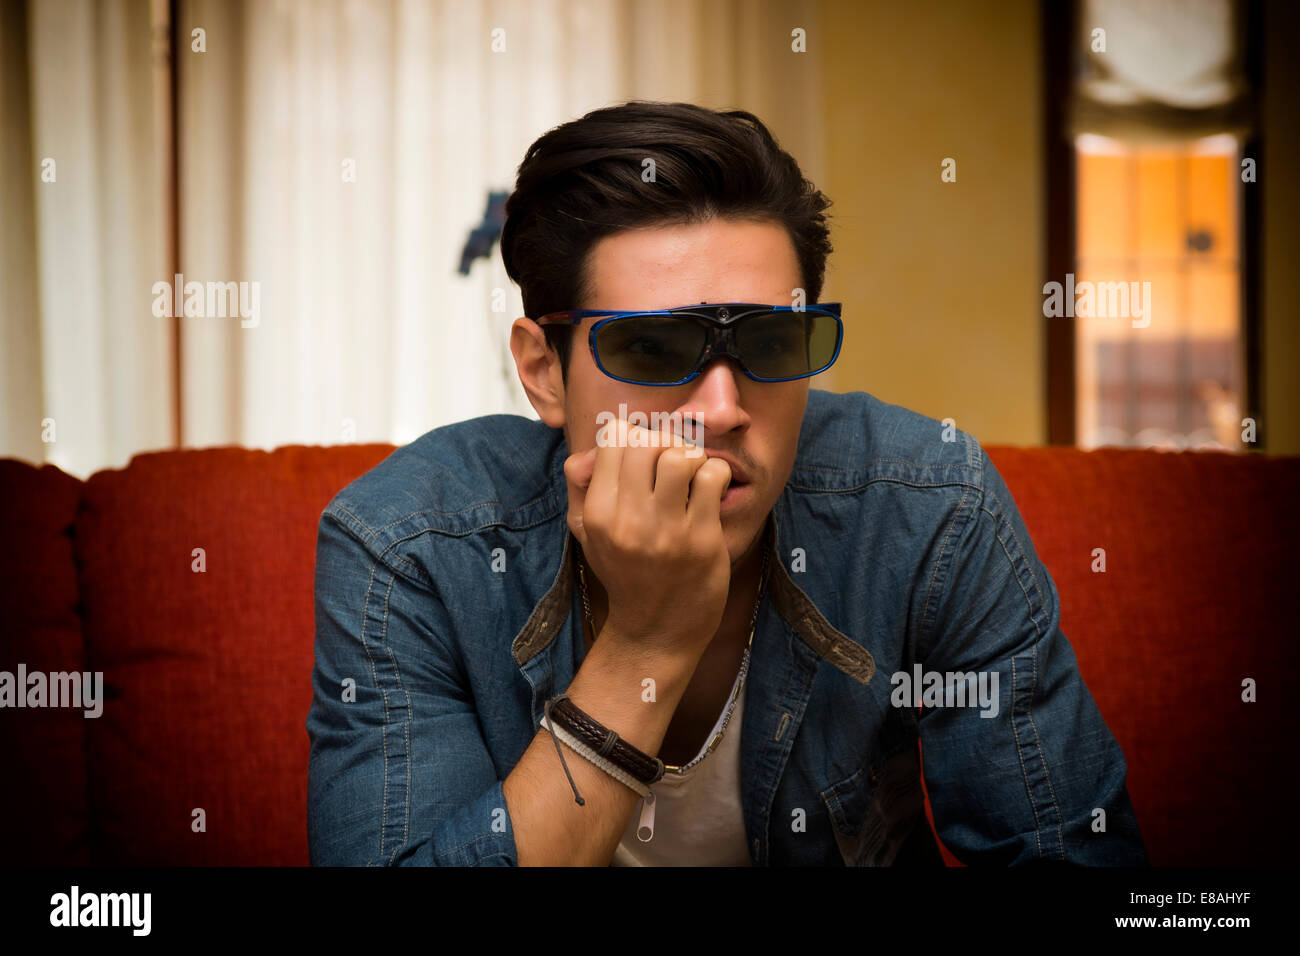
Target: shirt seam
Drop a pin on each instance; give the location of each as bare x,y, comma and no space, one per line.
1018,563
406,728
875,461
383,737
999,522
400,564
446,855
929,619
929,637
910,482
382,637
535,503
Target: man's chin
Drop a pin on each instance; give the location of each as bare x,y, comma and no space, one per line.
741,542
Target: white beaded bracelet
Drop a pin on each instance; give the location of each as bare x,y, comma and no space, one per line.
646,825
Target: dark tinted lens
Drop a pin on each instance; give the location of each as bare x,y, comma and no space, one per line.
654,349
787,344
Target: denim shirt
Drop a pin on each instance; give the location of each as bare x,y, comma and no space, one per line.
446,616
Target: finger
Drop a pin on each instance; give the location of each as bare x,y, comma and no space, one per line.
690,438
707,489
673,476
636,478
641,464
602,491
578,469
580,466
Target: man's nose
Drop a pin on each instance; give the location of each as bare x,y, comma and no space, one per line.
714,399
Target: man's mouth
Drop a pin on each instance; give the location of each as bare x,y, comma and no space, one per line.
737,493
739,476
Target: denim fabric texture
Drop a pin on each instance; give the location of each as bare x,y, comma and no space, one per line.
891,548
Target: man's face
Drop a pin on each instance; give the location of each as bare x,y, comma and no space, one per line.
754,425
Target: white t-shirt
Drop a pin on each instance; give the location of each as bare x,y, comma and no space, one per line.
698,816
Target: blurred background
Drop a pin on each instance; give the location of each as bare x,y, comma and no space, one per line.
342,163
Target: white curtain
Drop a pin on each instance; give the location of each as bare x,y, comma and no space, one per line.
85,372
333,156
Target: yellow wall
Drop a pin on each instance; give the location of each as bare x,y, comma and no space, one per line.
940,281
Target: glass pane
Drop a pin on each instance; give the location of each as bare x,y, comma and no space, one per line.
1159,358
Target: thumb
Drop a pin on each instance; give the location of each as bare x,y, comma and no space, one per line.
578,469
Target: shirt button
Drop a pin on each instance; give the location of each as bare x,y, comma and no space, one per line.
755,848
874,777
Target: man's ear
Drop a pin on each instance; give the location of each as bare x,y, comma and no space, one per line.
539,371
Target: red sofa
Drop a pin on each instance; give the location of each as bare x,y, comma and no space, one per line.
207,675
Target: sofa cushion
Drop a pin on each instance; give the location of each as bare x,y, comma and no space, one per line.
1200,568
43,810
197,575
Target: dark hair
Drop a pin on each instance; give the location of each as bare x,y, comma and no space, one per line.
581,182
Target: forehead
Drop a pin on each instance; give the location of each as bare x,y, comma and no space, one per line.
662,267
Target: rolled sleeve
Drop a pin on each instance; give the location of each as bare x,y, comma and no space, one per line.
399,773
1035,779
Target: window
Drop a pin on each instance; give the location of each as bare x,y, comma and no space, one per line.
1168,371
1152,223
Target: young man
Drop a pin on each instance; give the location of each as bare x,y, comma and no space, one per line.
715,640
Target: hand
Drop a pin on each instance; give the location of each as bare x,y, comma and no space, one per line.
648,519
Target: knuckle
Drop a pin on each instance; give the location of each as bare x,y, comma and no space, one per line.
593,518
625,532
673,458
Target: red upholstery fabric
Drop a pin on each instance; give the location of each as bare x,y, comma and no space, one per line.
208,674
42,752
1200,569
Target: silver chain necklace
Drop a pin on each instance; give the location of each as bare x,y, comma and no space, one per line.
744,664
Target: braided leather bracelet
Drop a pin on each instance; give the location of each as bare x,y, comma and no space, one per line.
645,830
618,773
605,742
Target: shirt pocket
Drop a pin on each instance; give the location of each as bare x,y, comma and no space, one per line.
875,809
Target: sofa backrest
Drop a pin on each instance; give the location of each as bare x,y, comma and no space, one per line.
193,574
1200,568
44,809
206,672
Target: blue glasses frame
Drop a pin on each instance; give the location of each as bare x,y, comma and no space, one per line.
719,320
